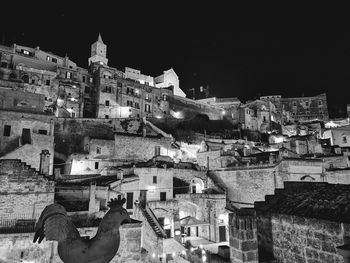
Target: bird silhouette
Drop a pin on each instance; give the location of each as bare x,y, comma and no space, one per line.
54,224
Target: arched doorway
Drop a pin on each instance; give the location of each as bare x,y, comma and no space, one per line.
197,186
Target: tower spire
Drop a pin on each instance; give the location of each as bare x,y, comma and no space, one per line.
99,39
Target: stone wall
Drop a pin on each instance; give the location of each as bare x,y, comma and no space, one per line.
70,133
245,185
300,239
140,148
23,190
164,182
338,176
20,248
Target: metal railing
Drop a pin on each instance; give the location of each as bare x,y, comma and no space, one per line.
17,224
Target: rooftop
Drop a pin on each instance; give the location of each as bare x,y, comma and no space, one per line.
309,199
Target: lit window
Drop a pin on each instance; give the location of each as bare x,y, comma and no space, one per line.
68,75
25,52
147,108
48,58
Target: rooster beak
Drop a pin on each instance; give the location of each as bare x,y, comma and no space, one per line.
125,221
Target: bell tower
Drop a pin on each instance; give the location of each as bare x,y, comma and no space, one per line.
98,52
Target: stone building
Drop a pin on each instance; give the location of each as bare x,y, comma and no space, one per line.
302,109
24,191
58,79
339,136
229,105
303,222
29,138
258,115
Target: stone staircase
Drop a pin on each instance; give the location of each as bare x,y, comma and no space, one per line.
153,222
16,165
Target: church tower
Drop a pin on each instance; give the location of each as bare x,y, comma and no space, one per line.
98,52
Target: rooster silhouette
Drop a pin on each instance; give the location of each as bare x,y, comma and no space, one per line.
54,224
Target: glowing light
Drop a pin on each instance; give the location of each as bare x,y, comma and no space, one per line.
201,246
192,249
73,86
183,252
174,254
153,255
223,112
204,258
177,232
158,117
151,187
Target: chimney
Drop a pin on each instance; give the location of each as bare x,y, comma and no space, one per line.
243,236
44,167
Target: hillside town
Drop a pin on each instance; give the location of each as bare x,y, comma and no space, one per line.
205,180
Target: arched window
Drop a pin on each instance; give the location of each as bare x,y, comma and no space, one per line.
25,78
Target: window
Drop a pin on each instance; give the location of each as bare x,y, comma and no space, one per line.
98,150
109,89
84,79
25,52
87,89
106,116
307,113
148,97
320,112
147,108
7,130
157,150
54,60
107,102
96,165
119,84
73,114
320,102
264,118
294,103
129,200
162,196
154,179
68,75
33,81
137,105
48,58
47,82
4,64
129,103
306,103
43,132
344,139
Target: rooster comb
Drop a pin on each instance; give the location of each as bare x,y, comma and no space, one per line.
116,202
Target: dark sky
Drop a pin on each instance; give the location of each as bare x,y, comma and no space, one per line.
238,51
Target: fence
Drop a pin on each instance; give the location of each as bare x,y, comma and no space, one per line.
24,223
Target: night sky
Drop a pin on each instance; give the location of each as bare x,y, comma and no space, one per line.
242,52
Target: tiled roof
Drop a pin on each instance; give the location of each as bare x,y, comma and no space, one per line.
309,199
